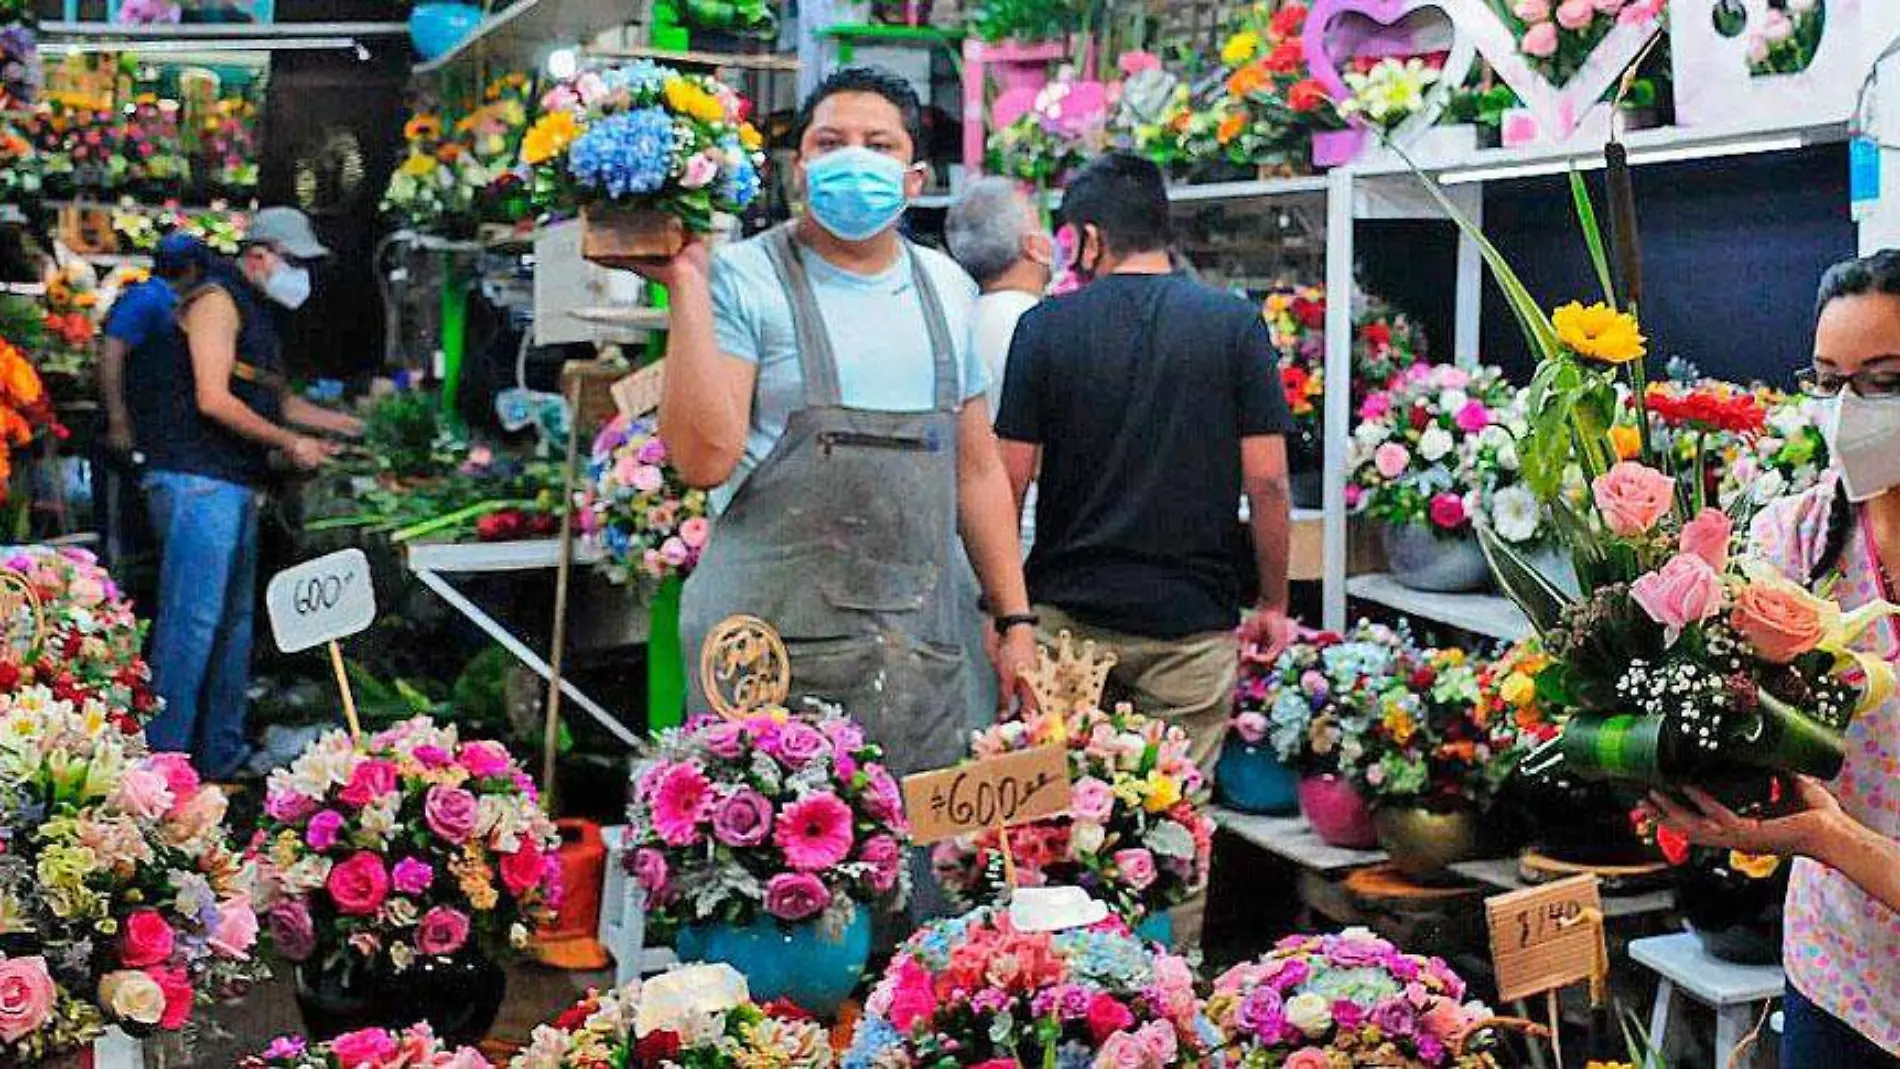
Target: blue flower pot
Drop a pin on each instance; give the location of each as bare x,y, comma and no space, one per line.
791,961
1251,778
1158,928
436,28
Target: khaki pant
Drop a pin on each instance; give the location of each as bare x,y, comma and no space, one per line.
1187,681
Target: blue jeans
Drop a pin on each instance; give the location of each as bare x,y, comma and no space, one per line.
1813,1037
201,644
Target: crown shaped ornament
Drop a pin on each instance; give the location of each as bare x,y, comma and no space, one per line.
1065,680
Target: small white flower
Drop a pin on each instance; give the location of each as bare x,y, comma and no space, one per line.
1450,401
1371,433
1435,443
1514,514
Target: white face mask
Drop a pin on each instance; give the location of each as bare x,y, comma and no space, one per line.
288,286
1863,440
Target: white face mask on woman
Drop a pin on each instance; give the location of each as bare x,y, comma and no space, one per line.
1863,441
288,285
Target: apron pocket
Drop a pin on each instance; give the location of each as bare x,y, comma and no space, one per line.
874,586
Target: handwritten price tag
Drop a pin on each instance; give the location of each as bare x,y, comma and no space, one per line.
1543,938
996,793
321,600
639,393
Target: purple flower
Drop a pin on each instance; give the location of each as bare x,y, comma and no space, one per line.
845,735
1430,1050
432,756
412,876
292,930
724,739
288,807
323,830
800,744
651,451
1263,1014
794,896
1395,1018
284,1047
742,818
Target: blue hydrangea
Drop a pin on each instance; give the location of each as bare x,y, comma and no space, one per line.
643,78
624,155
873,1037
1114,961
742,179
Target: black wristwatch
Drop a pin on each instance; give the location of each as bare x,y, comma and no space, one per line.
1005,624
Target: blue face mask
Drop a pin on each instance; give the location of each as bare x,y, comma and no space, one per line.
855,193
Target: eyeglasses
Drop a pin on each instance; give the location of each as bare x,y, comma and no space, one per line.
1867,385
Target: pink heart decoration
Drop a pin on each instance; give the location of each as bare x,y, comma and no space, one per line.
1382,30
1558,109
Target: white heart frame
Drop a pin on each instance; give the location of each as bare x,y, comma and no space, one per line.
1460,56
1714,88
1559,110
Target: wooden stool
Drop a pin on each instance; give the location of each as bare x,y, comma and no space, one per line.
1736,993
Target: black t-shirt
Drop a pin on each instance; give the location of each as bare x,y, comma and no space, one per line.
1139,389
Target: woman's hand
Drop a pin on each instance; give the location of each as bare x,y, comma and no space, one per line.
1808,832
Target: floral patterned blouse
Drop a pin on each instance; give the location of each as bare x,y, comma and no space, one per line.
1841,948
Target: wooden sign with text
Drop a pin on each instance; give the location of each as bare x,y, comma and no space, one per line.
1544,938
997,793
639,393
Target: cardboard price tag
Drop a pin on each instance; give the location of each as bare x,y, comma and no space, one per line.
1013,789
639,393
321,600
1544,938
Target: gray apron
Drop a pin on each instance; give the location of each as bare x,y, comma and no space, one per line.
844,539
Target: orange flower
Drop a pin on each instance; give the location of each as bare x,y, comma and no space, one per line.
448,152
1245,81
1231,127
14,429
1307,96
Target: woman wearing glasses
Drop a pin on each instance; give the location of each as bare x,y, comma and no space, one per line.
1842,945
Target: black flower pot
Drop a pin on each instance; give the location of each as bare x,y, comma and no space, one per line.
1585,822
459,996
1735,914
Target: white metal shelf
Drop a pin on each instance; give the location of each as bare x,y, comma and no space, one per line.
219,31
1481,614
1292,838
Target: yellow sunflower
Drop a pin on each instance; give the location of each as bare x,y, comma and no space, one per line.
549,137
1599,332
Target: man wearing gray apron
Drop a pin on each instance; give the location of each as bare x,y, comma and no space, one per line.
821,377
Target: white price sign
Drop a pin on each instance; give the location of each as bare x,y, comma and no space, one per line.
321,600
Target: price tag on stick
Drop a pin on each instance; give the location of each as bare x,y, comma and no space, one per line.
319,602
996,793
1548,937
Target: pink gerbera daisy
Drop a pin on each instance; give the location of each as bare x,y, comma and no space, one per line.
814,832
682,798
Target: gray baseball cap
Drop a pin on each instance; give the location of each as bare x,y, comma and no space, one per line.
289,230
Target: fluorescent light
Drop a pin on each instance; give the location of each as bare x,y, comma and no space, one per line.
1638,157
180,47
1716,151
1520,170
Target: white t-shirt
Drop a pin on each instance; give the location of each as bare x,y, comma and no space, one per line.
995,326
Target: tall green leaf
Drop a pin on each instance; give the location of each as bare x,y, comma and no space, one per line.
1543,603
1592,235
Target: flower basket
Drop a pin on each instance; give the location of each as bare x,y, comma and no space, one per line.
809,964
620,237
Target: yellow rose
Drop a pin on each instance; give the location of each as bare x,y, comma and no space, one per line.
131,995
1599,332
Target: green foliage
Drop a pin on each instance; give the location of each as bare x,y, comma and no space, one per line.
1025,20
405,433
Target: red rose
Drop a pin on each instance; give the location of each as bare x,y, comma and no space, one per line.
1307,96
1311,314
1286,58
1420,417
1288,21
1107,1016
521,871
1377,335
145,940
657,1046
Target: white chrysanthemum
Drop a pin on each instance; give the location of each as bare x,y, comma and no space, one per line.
1515,514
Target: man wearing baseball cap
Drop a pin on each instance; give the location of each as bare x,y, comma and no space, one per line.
216,415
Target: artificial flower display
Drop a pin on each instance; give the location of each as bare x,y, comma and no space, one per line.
1439,448
643,136
975,991
1135,835
696,1017
1065,127
411,844
781,814
91,645
1317,703
123,902
1556,37
1434,744
1388,91
1787,39
1350,998
370,1048
635,509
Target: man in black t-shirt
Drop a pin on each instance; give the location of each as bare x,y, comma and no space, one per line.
1144,405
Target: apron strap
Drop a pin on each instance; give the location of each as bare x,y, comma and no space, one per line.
816,363
943,352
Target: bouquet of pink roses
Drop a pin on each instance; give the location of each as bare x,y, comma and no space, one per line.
635,509
791,814
1134,836
411,844
1317,1001
371,1048
121,902
91,647
975,991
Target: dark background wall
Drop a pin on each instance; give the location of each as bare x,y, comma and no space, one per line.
1732,250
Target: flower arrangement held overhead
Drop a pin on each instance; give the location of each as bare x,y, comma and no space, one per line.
695,1017
780,815
635,509
369,1048
413,844
92,642
124,904
1134,837
1318,1001
975,991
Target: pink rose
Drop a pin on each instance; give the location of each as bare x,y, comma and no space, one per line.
178,773
411,876
913,997
289,807
1124,1051
1133,63
1575,14
1633,497
1707,536
1307,1058
1540,41
432,756
885,859
324,829
695,531
1637,12
1609,7
143,792
1685,591
1091,800
26,997
1137,867
145,939
1445,1020
451,812
650,871
1448,510
369,781
1391,459
1376,405
236,931
1529,11
1473,418
794,896
1106,1016
485,759
701,169
176,984
647,478
363,1050
443,931
1780,624
742,818
292,931
883,801
523,870
359,885
1159,1038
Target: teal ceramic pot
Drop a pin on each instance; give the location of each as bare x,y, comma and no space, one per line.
1250,778
1158,928
789,961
